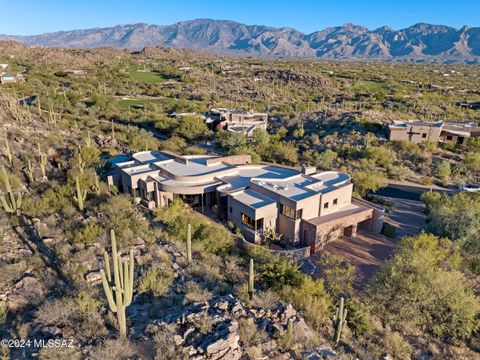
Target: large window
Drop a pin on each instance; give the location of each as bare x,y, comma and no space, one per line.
287,211
252,223
248,221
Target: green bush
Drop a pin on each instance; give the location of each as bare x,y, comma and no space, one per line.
359,317
422,288
156,281
86,234
389,230
310,297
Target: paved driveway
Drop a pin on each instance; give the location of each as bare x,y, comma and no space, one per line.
407,216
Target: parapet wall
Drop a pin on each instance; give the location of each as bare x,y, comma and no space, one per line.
232,160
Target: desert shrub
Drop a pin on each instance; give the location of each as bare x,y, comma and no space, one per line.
76,315
90,155
279,272
120,349
359,318
213,238
338,274
251,338
400,172
443,170
86,234
165,347
421,287
192,150
472,161
397,346
60,353
195,293
311,298
127,223
175,144
50,201
156,281
204,323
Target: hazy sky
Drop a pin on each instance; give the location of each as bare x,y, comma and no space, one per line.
25,17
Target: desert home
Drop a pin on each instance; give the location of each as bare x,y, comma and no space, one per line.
306,207
417,131
236,120
6,78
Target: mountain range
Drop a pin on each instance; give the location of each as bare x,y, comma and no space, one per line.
417,43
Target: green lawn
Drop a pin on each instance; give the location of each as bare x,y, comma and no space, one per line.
169,104
372,85
149,77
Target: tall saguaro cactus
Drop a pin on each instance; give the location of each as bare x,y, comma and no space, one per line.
339,320
81,194
121,286
10,202
8,151
251,280
189,243
29,171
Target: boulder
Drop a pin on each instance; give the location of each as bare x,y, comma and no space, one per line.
93,277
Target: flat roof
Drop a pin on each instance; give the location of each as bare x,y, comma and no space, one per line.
252,199
194,167
343,212
191,171
247,172
149,156
294,188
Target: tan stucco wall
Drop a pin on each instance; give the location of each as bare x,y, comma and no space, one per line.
268,213
343,196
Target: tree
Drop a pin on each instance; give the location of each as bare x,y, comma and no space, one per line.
366,180
380,155
192,127
230,140
260,137
421,287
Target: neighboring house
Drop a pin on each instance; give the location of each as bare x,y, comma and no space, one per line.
307,207
6,78
417,131
236,120
474,105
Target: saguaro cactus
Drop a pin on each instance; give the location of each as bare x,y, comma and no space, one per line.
189,243
122,284
339,320
8,151
88,140
251,280
30,172
81,194
80,162
96,186
10,202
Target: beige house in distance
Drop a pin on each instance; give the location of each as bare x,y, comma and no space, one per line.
417,131
235,120
307,207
